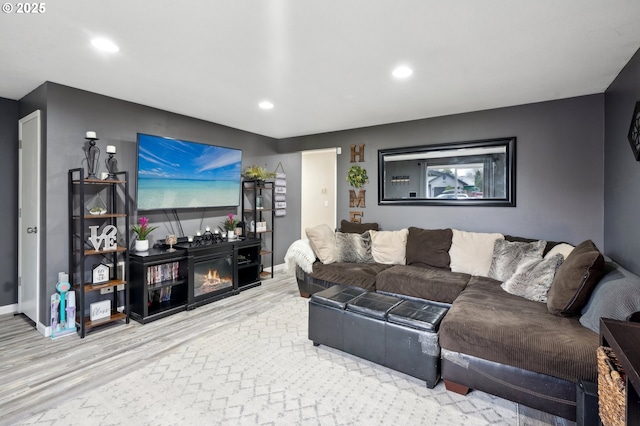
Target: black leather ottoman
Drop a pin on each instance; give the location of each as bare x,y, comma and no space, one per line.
411,339
401,334
364,325
326,313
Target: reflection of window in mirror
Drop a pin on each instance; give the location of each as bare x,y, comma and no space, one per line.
470,173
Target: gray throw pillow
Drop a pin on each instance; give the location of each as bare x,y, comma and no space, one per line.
533,278
616,296
354,248
507,255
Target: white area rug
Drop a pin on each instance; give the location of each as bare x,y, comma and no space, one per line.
265,371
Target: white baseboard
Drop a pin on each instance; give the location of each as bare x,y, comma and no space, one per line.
45,331
9,309
13,309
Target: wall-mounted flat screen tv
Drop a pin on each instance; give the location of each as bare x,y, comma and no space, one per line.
178,174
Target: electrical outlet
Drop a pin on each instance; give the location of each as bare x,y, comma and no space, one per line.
106,290
120,287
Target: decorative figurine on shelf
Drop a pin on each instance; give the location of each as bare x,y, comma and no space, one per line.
108,237
230,224
142,231
92,154
112,163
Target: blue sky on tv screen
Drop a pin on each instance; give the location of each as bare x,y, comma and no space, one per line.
164,158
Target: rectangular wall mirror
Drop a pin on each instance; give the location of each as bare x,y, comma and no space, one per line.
477,173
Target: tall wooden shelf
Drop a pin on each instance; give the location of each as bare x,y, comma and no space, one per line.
83,256
252,191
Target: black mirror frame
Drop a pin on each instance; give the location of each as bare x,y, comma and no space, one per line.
510,201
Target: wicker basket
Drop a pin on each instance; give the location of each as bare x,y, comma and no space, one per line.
611,388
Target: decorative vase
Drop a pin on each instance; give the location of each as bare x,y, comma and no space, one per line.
231,235
142,245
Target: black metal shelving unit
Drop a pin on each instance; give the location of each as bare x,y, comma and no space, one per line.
252,192
83,256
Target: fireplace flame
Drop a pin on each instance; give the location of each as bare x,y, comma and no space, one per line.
213,278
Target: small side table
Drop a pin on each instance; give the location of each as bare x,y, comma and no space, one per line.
624,339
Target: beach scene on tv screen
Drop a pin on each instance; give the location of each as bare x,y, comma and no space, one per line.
180,174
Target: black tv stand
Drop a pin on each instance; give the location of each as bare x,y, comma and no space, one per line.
165,282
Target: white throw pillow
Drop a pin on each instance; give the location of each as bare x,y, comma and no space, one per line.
563,248
322,240
389,247
471,252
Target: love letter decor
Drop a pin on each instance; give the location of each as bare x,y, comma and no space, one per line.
106,238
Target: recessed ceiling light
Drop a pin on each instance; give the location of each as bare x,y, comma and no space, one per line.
402,72
105,45
265,105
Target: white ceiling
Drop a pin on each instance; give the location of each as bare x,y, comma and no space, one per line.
325,64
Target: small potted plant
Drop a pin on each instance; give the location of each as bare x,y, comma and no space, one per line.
257,173
229,225
142,231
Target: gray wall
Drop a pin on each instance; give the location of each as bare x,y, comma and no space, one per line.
622,171
71,112
9,191
559,169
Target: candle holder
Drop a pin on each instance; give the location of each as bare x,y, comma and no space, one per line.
112,166
171,240
91,154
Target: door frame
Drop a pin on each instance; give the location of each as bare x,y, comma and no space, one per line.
37,170
329,196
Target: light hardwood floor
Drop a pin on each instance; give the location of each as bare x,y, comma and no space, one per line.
37,372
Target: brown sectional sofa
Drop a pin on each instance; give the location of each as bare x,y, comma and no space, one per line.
492,340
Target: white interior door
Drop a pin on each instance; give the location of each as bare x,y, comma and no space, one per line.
29,228
318,198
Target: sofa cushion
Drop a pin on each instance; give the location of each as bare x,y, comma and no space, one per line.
354,248
389,247
575,280
357,228
322,240
355,274
471,252
533,278
426,283
507,255
489,323
562,248
616,296
429,247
